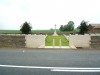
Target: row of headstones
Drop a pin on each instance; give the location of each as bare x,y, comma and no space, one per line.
60,42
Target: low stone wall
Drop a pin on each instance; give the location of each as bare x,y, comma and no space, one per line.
12,41
80,40
95,42
22,41
66,36
35,41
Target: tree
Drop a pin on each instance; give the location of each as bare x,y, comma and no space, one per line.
26,28
83,27
67,27
70,26
61,28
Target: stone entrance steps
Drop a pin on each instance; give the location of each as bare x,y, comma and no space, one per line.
57,47
66,47
62,47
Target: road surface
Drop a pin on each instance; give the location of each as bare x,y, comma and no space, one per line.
49,62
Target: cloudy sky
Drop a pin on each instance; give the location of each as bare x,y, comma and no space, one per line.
44,14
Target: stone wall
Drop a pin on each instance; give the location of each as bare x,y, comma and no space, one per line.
22,41
95,42
80,40
35,41
12,41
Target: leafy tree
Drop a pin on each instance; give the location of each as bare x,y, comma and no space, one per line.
61,28
83,27
70,26
67,27
26,28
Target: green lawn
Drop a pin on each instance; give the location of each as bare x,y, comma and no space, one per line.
49,40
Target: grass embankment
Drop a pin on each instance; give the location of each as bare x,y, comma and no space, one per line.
49,40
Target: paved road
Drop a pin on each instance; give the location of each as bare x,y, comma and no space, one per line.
49,62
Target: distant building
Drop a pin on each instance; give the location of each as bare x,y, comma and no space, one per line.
94,28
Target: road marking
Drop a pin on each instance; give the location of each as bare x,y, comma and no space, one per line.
67,70
61,69
38,67
70,68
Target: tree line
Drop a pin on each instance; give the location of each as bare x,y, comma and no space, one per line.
67,27
83,27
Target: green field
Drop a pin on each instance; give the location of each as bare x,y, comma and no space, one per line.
36,32
19,32
10,32
49,40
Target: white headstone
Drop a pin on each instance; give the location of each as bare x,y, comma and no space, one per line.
53,42
60,42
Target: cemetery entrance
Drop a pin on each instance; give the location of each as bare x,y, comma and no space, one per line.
59,40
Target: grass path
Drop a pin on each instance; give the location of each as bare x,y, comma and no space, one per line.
49,40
